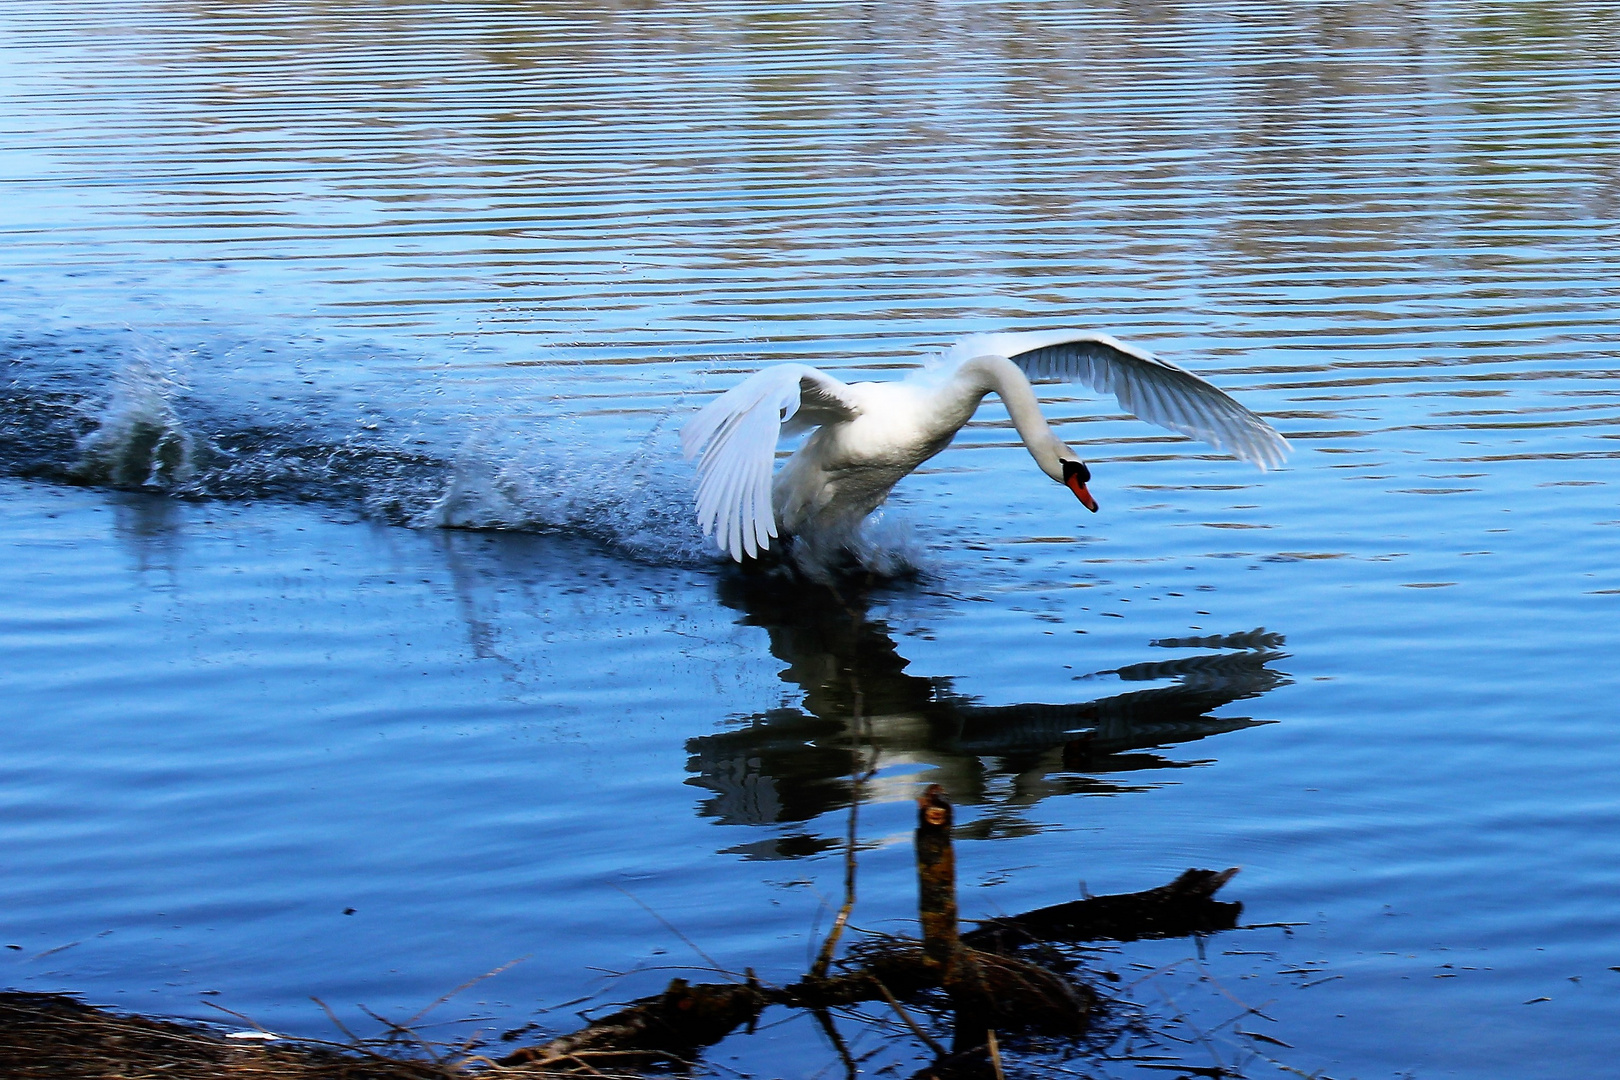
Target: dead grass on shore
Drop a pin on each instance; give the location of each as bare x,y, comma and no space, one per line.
54,1037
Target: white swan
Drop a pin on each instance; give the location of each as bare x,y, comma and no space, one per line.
871,434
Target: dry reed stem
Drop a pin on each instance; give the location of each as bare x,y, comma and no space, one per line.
995,1054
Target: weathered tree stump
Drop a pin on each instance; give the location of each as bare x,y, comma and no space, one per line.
987,991
936,882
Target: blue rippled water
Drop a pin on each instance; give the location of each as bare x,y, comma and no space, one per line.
349,560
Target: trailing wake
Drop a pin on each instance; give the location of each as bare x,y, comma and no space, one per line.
125,412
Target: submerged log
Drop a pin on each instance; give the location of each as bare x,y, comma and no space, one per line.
669,1026
897,965
1185,906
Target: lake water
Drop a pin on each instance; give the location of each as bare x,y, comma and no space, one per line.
290,287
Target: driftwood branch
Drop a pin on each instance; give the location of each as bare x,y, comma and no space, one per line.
668,1027
1185,906
988,985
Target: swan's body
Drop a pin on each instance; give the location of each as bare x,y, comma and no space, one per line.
870,435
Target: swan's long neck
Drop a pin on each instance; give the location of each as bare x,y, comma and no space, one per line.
997,374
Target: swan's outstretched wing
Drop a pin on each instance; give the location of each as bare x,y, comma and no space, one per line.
740,429
1149,388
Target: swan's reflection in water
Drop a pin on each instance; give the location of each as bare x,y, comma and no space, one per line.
787,767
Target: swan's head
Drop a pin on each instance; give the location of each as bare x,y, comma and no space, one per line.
1075,478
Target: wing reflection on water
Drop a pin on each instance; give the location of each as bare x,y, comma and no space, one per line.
789,766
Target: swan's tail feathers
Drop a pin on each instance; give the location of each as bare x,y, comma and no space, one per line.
736,434
1145,386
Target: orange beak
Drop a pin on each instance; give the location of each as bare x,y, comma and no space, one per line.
1073,484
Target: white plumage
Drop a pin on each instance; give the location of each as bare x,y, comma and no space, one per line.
869,435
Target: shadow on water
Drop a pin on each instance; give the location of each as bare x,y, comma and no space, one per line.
789,766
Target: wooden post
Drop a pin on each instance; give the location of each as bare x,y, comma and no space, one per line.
936,882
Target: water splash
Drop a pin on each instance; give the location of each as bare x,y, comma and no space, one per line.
139,440
883,545
640,506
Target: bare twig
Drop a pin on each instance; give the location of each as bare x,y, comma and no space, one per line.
1233,998
357,1044
671,928
466,985
858,778
407,1033
995,1054
939,1051
1163,969
244,1017
577,1060
851,1070
1202,1038
332,1016
736,976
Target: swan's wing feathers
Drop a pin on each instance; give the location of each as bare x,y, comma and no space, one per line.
824,399
1147,387
737,434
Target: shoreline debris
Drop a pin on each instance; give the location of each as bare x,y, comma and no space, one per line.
995,978
1004,976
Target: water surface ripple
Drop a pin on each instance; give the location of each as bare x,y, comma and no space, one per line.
279,279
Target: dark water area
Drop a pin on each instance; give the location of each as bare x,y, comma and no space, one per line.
349,560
